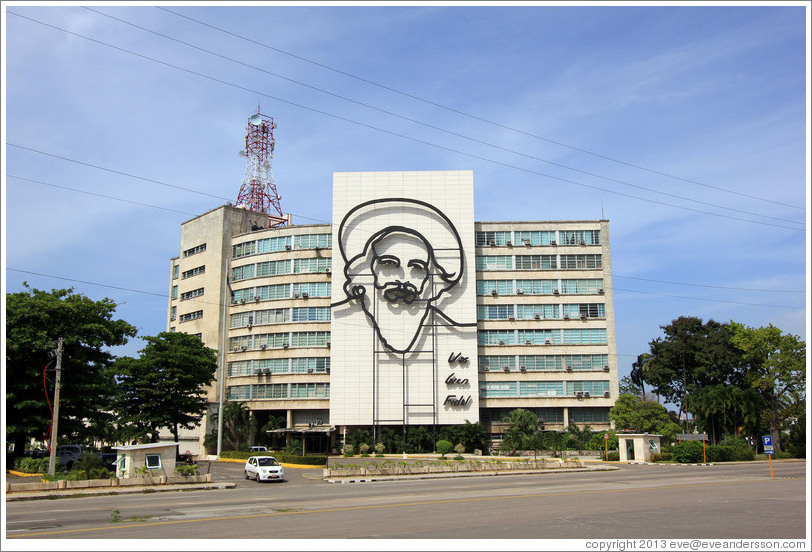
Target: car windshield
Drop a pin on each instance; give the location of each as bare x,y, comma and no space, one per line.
267,462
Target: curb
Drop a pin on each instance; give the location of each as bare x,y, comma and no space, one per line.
100,491
283,464
547,471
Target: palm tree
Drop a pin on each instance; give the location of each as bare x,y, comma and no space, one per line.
554,441
638,371
581,436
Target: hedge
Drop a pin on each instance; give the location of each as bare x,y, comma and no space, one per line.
315,460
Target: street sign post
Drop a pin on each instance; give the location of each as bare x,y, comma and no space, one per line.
769,450
606,442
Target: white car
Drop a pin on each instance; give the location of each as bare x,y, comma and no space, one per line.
264,468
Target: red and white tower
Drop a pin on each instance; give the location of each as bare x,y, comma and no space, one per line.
258,191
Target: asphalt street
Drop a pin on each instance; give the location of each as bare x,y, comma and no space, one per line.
635,502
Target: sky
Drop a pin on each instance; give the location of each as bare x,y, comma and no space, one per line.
686,126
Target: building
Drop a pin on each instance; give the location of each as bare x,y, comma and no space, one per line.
403,312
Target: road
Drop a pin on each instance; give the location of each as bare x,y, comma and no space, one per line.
637,501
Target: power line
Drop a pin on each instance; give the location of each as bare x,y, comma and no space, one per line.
100,195
709,286
710,300
434,127
500,125
406,137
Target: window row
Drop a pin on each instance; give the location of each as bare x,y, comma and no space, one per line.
539,262
191,316
306,365
283,266
195,250
575,336
278,391
278,316
191,294
579,414
536,363
498,389
281,243
539,237
539,312
278,340
583,286
281,291
193,272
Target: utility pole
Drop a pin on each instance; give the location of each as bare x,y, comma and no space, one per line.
55,421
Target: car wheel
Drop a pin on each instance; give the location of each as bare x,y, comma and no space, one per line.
246,474
258,477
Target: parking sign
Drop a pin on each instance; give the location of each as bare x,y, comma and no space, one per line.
768,445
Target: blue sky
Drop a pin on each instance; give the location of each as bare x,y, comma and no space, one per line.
685,126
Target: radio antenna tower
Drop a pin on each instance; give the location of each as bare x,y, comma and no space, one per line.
258,191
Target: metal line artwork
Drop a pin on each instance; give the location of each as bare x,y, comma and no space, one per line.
397,266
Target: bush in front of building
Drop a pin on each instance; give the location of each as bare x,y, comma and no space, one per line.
613,456
444,447
31,465
687,452
661,457
348,451
310,459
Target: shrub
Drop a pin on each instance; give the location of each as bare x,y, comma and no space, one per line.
348,450
31,465
379,448
363,448
88,461
295,447
186,469
444,447
315,459
687,452
783,454
661,457
459,448
613,456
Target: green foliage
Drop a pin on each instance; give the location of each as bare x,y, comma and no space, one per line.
598,443
363,448
444,447
359,436
115,516
578,438
687,452
34,321
165,386
630,412
628,387
89,461
419,439
554,441
613,456
661,457
379,448
186,469
348,450
459,448
520,434
295,447
796,440
308,459
31,465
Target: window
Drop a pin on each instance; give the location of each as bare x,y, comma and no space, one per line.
173,313
537,287
585,336
535,237
311,314
588,310
536,262
531,312
494,312
539,337
313,289
581,262
494,262
264,293
153,461
310,390
238,392
310,339
311,265
273,268
195,250
175,270
580,237
541,389
495,362
496,337
269,391
492,389
589,414
533,363
312,241
191,316
502,287
190,294
193,272
243,272
594,388
307,365
174,292
586,362
582,287
492,238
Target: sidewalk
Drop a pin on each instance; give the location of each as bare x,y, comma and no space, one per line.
98,491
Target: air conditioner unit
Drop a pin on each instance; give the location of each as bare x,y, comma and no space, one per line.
242,348
501,343
327,270
547,342
486,369
295,295
519,292
509,243
583,242
537,317
285,345
305,295
605,367
552,242
555,292
522,369
579,394
287,248
327,370
319,422
242,301
526,242
606,394
586,393
250,326
328,344
506,368
256,298
511,317
566,317
528,342
263,346
494,292
583,317
569,368
310,370
491,243
600,291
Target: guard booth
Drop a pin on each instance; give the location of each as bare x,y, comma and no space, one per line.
638,447
159,458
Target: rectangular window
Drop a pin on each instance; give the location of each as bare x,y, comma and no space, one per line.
594,388
492,238
536,287
195,250
585,336
317,264
238,392
586,362
191,316
269,391
318,365
495,362
191,294
536,262
243,249
541,389
588,414
487,287
494,312
173,313
494,389
152,461
310,339
580,237
581,262
539,337
536,312
496,337
584,310
273,268
174,292
311,314
309,390
175,270
193,272
494,262
535,237
312,289
534,363
312,241
589,286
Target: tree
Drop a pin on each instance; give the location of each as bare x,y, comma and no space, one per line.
35,319
693,354
638,373
641,416
523,425
777,368
579,436
554,441
444,447
628,387
165,386
472,436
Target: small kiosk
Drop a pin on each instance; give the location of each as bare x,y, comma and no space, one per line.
638,447
159,459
